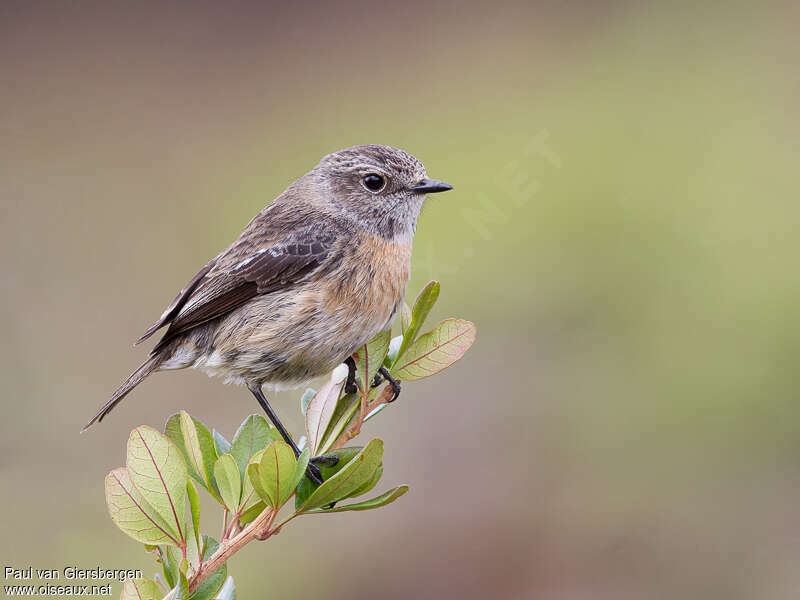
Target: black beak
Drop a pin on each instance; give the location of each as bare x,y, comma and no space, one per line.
431,186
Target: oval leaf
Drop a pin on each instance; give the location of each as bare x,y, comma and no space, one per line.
200,449
363,489
272,471
170,564
422,306
249,498
369,358
159,473
377,502
140,589
435,350
300,469
320,410
229,481
345,409
132,514
181,590
221,445
173,431
405,318
194,508
253,435
354,475
251,513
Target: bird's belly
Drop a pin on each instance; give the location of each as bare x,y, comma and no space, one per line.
292,338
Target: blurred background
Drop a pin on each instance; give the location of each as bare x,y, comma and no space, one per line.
624,232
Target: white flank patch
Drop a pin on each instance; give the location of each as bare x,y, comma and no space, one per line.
180,359
283,386
214,361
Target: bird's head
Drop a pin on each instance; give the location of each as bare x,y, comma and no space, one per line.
380,188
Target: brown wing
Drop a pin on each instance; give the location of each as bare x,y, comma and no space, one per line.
223,284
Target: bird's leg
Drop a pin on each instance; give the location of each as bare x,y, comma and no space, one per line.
383,373
350,382
312,472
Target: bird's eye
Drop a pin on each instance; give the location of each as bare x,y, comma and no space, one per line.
374,182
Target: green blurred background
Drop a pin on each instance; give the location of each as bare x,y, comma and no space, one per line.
624,232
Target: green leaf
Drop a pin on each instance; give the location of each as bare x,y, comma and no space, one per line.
321,407
132,513
305,399
170,562
272,471
221,445
306,487
198,447
346,407
228,591
181,591
435,350
250,501
173,431
369,484
251,513
349,479
229,481
405,317
159,473
192,550
194,508
140,589
422,306
369,358
202,454
253,435
300,469
377,502
208,589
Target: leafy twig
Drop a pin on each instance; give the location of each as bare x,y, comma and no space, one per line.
254,476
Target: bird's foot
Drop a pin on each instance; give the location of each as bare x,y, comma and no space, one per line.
313,472
328,460
383,374
350,386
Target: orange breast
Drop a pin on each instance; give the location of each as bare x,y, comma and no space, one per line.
372,280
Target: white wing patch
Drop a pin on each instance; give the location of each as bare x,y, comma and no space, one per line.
243,263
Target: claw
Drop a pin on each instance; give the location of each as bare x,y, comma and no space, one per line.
314,474
384,373
329,460
350,386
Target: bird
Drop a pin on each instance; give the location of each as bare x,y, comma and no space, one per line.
312,277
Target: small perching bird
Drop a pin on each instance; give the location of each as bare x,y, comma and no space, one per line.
314,276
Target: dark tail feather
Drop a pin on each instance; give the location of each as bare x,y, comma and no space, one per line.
147,367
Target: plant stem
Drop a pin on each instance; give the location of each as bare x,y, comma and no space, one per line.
230,547
224,533
355,426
